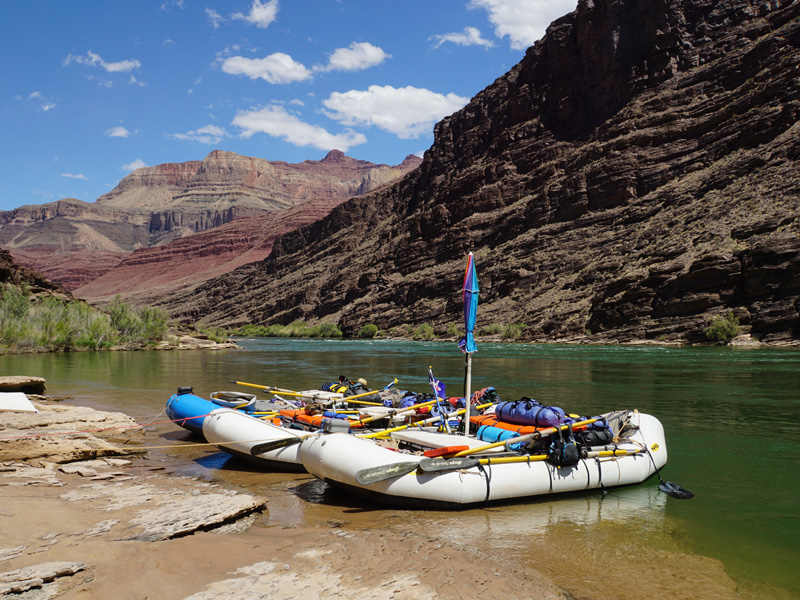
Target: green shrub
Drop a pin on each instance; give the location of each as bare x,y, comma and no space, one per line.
513,331
325,330
55,324
492,329
453,330
723,329
423,332
368,331
215,334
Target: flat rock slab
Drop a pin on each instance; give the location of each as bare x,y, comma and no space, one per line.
171,512
183,516
22,383
21,580
61,433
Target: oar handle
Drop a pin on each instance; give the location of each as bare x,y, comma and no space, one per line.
398,412
541,457
267,388
460,411
529,436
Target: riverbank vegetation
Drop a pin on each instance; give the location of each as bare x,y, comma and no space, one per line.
29,323
420,332
296,329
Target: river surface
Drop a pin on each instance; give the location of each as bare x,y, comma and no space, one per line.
731,415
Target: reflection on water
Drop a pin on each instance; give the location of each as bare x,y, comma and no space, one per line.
732,418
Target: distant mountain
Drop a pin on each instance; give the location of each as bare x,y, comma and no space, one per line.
148,275
633,177
75,242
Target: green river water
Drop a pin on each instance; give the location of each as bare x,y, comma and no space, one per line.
731,415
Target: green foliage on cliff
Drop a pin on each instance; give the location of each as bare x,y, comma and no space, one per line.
28,323
368,331
423,332
723,329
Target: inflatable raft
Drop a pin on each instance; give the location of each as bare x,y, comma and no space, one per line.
241,435
370,470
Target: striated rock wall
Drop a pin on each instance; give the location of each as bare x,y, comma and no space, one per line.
150,274
75,242
13,274
635,175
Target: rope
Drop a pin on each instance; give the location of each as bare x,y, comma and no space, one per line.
173,446
123,427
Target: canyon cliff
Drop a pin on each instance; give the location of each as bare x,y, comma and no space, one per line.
633,177
75,243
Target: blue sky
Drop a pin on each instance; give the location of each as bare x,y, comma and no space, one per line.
93,89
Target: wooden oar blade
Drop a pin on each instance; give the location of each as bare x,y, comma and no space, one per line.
430,465
274,445
383,472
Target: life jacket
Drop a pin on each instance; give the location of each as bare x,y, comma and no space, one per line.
336,387
299,417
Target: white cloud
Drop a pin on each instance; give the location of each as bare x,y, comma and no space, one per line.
261,13
471,36
93,59
132,166
523,21
44,103
209,134
406,112
215,18
275,68
276,121
359,56
118,131
74,176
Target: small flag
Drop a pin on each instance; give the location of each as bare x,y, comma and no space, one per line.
436,385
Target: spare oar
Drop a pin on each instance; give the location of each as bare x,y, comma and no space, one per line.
383,472
527,437
433,465
393,413
276,444
437,465
314,394
427,421
274,390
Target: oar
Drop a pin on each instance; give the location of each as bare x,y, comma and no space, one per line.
437,465
283,443
427,421
284,392
527,437
479,449
275,444
274,390
401,411
432,465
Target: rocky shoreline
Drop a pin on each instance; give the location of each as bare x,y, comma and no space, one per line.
85,516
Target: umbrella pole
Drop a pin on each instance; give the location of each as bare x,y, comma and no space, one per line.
467,393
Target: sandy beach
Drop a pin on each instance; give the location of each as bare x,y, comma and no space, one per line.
108,525
86,515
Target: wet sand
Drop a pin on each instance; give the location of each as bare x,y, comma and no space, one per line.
92,516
